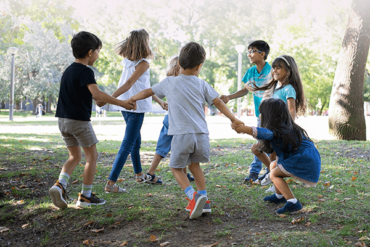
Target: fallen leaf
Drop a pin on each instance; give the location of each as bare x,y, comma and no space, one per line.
81,176
218,186
124,243
89,223
282,215
17,179
336,199
121,180
75,182
149,195
25,226
88,242
364,238
97,230
153,238
4,229
361,244
327,183
46,158
23,186
117,223
353,179
295,221
164,244
109,215
308,224
210,245
322,200
158,170
320,196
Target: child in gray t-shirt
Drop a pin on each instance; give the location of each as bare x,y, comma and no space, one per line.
186,95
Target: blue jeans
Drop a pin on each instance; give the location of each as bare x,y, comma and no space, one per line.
130,145
256,165
164,140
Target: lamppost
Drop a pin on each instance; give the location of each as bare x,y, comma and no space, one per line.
239,49
12,51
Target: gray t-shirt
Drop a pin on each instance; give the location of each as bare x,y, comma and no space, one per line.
186,96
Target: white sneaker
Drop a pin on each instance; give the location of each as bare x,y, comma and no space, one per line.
271,189
266,180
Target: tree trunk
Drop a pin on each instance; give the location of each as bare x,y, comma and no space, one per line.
346,108
48,104
2,104
16,105
35,101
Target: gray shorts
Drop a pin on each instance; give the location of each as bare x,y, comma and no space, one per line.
189,148
77,133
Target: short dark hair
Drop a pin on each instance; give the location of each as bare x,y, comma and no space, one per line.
191,55
83,42
261,46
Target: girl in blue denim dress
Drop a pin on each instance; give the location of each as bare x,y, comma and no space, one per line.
297,154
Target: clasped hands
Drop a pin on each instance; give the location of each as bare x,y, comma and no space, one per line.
238,126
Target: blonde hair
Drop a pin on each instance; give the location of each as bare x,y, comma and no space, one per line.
135,46
173,68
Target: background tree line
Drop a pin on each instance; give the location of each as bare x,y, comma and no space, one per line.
42,29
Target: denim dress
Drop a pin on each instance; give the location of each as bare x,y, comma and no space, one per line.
304,164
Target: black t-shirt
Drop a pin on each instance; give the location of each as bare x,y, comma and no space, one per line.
75,99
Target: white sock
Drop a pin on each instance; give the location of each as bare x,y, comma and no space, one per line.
63,179
294,200
86,190
279,196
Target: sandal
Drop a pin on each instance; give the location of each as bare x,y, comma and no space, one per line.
150,179
142,177
114,189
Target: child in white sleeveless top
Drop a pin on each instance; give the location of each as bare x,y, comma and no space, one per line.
135,78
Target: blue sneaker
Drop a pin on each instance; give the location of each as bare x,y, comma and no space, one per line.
190,177
274,199
290,207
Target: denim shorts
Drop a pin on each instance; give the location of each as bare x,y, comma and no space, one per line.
189,148
77,132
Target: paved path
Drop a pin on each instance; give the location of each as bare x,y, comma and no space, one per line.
219,127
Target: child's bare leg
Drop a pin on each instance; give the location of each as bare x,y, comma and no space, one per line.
184,170
181,177
273,164
200,180
281,186
90,168
263,157
73,160
156,160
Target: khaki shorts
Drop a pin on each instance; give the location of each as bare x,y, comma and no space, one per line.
189,148
77,133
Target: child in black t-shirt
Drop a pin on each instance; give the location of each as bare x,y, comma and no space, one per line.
77,90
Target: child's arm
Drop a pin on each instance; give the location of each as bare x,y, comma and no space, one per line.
102,97
222,107
163,104
142,95
139,70
242,129
291,107
240,93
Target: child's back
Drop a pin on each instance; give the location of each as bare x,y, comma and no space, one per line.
186,95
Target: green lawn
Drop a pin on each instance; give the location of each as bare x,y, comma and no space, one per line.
336,212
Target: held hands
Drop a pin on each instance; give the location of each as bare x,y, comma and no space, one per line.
238,126
128,104
100,103
225,98
164,105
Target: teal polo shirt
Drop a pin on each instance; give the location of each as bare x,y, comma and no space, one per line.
262,78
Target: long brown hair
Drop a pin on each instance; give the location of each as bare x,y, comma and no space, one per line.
173,68
135,46
293,77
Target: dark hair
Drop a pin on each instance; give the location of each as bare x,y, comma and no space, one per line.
261,46
191,55
292,78
276,117
173,68
135,46
83,42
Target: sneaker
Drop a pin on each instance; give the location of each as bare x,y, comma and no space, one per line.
206,208
264,175
190,177
290,207
84,201
196,205
271,189
274,199
266,180
58,195
251,178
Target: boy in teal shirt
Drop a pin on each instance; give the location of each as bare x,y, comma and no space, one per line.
259,74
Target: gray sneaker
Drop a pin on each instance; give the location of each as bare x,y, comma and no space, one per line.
196,205
206,208
266,180
271,189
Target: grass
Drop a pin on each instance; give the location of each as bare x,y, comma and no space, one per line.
336,212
